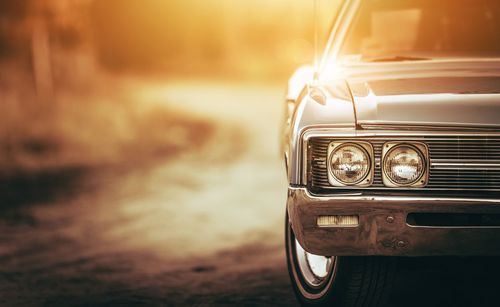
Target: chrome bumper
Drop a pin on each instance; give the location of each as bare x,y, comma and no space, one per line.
383,229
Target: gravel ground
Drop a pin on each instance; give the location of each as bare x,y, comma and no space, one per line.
203,230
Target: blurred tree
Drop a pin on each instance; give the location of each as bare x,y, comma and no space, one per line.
12,16
42,66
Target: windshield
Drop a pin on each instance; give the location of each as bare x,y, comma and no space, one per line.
394,30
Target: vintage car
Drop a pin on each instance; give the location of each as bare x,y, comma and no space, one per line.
392,146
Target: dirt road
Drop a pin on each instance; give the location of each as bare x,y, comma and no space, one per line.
204,229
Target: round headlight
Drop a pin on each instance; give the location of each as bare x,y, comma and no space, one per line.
349,164
404,165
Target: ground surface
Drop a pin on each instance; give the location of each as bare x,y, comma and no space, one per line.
203,229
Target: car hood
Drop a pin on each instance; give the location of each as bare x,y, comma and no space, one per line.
445,92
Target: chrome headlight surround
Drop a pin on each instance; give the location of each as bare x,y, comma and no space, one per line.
421,149
366,148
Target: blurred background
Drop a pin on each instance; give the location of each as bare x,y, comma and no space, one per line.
67,62
139,149
139,154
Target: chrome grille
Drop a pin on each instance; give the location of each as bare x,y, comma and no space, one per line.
466,163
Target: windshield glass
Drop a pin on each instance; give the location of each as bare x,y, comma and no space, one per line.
392,30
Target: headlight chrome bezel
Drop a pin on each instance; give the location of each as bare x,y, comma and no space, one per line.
367,148
421,149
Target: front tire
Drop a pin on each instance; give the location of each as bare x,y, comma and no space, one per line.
337,281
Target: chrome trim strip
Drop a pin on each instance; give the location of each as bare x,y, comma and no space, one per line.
395,125
394,199
321,132
469,166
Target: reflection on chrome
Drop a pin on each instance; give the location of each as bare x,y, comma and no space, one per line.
404,164
350,164
315,269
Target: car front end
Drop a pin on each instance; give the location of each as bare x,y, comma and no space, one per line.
392,146
417,193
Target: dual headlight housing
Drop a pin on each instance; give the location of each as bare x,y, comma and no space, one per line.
353,163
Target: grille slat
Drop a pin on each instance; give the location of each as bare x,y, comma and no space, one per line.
453,149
